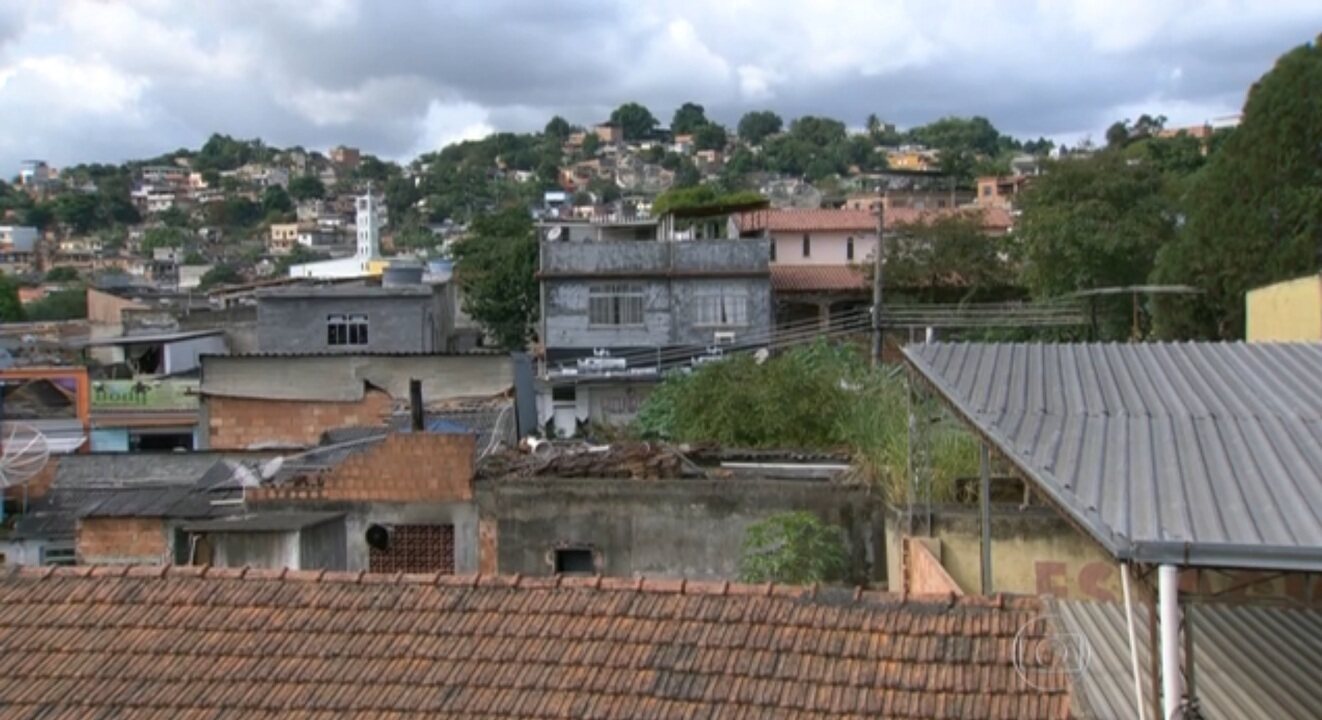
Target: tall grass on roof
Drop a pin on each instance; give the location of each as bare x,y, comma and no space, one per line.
816,397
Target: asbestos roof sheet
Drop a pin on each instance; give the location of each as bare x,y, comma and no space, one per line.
1203,454
206,642
263,522
1250,662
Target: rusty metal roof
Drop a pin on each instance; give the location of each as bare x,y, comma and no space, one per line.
1201,454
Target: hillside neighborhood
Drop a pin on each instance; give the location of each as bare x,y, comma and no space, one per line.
793,417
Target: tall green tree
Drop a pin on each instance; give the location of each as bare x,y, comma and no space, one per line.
307,187
636,120
756,126
709,137
496,267
945,258
1093,223
1254,214
222,274
11,310
558,128
688,118
275,201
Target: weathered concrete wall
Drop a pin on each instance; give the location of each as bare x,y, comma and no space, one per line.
395,324
122,540
664,528
258,550
323,546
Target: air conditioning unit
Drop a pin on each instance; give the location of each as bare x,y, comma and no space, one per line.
724,337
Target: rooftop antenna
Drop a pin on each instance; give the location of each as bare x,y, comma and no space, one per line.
23,455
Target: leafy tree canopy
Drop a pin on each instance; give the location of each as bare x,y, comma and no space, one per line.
756,126
688,118
62,274
558,128
222,274
636,121
1254,214
818,131
307,187
275,201
709,137
161,237
951,252
11,310
68,304
701,196
496,266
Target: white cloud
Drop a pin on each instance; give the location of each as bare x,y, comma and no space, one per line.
446,123
59,86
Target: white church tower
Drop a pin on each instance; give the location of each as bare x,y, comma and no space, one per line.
368,222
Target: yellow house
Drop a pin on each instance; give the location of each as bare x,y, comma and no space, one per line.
1285,311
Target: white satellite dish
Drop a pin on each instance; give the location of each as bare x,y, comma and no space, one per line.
24,454
554,233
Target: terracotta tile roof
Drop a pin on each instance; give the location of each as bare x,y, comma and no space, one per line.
844,220
817,278
188,642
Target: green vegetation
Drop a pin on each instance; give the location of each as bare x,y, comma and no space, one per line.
947,259
298,256
794,548
813,397
11,309
636,120
62,274
1254,213
498,275
162,237
306,187
702,196
68,304
756,126
222,274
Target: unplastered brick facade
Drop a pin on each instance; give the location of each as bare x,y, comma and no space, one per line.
121,540
417,467
240,423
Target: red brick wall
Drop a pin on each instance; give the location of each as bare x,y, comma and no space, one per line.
239,423
111,541
402,468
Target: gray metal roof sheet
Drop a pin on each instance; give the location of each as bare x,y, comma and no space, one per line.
1193,453
1250,662
282,521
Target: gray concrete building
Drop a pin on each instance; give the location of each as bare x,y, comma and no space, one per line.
355,319
624,302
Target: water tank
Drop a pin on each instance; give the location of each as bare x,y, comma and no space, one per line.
397,274
440,269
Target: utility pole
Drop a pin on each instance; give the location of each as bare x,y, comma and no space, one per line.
876,276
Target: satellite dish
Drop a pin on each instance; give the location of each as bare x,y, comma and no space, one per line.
554,233
24,454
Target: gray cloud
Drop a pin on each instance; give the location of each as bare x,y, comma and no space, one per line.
105,82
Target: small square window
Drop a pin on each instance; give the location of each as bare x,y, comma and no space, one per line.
570,561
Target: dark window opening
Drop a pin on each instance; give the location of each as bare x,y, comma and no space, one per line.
160,441
565,393
342,330
773,251
807,246
570,561
849,248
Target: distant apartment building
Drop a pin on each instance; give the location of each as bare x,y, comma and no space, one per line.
609,133
345,157
626,300
34,173
18,247
282,238
914,159
1001,191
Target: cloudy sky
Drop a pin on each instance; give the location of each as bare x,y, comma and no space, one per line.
84,80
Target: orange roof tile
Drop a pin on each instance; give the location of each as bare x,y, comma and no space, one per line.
817,278
183,642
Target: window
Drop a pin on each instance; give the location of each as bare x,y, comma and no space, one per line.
574,560
54,555
722,307
807,246
615,305
344,330
849,248
987,190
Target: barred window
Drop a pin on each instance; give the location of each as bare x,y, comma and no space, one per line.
344,330
615,304
723,307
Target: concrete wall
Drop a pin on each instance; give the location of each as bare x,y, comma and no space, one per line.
241,423
415,467
255,549
322,547
122,540
664,528
182,356
828,248
1290,310
395,324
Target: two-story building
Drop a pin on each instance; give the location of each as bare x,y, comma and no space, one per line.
624,301
18,245
283,238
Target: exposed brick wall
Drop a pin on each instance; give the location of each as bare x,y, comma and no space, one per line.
113,541
239,423
923,573
402,468
415,549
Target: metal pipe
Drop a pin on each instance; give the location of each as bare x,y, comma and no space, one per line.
984,476
1133,642
1168,601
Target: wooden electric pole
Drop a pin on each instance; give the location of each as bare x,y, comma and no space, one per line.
877,278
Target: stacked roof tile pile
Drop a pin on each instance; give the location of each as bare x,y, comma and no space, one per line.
188,642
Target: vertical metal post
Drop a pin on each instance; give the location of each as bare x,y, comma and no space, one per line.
984,475
877,281
1168,602
1133,642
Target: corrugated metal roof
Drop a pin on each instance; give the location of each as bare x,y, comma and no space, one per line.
1250,662
1195,453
